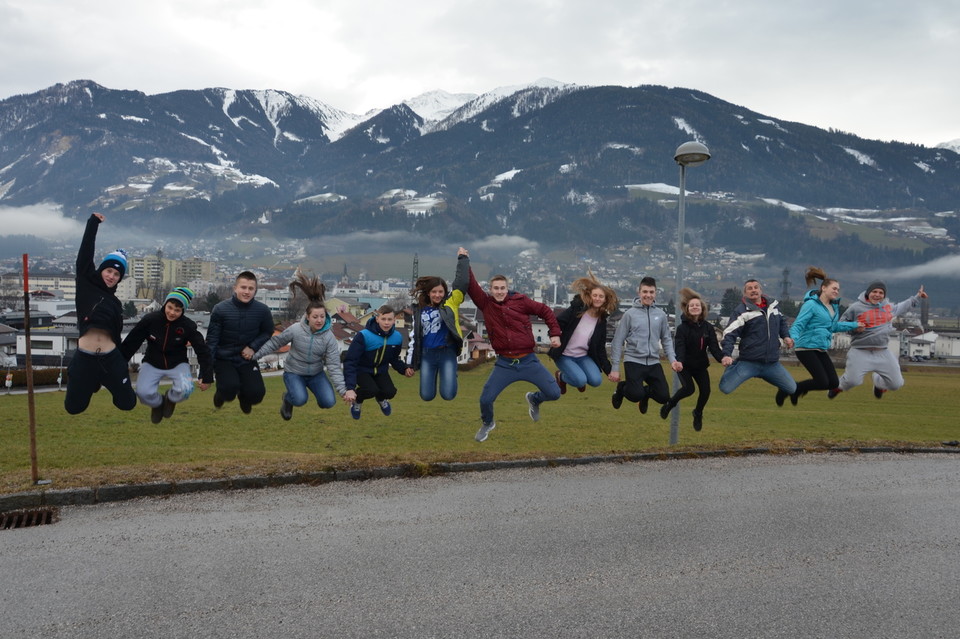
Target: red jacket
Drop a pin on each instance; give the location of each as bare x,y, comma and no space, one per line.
508,322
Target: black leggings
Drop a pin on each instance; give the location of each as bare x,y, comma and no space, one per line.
687,377
379,387
820,366
244,381
644,380
87,372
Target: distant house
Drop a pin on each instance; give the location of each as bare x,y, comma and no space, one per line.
947,345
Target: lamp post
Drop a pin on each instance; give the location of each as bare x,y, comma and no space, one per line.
688,154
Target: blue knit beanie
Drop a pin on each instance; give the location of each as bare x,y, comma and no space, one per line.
117,260
180,294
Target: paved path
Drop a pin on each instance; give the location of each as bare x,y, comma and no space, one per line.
799,546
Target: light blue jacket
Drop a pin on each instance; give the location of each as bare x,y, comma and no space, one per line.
815,326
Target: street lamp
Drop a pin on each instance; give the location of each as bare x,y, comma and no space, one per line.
688,154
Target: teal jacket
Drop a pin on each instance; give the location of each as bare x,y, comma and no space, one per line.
814,327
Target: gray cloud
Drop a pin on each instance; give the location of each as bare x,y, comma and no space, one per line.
42,220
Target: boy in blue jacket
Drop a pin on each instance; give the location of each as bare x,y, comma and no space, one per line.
366,368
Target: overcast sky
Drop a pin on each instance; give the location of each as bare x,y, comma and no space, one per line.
884,69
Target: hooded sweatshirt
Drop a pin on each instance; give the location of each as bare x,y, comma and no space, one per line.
645,329
878,319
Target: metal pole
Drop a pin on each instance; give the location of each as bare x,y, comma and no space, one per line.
34,472
675,413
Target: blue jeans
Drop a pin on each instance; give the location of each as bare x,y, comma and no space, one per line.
319,385
507,371
438,364
771,372
579,371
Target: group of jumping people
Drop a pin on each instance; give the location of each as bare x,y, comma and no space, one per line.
241,331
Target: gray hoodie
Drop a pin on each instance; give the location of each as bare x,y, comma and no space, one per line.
310,352
645,329
878,319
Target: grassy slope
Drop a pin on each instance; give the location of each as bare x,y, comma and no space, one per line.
104,445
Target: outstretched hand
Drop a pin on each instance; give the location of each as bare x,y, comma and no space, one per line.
463,251
921,293
102,217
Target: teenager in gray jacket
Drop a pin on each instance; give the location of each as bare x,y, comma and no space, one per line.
870,349
313,361
641,333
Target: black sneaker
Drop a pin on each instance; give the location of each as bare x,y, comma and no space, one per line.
781,395
833,392
878,392
156,414
643,404
795,397
167,407
245,406
286,410
217,400
617,400
665,410
697,420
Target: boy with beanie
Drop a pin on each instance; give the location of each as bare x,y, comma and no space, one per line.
98,361
870,348
167,333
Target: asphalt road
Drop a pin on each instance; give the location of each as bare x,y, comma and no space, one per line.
800,546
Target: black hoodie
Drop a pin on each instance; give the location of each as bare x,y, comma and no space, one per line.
97,305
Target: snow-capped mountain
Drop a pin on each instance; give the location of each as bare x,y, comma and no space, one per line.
953,145
434,106
559,162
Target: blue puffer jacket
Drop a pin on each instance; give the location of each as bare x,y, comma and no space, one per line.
373,351
815,326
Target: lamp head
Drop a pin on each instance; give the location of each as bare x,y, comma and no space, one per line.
691,154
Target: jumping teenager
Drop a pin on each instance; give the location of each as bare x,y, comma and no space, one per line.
313,362
869,350
366,368
437,338
98,360
507,316
695,340
581,358
167,333
239,326
812,333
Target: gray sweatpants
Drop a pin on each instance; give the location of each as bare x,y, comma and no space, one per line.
148,383
879,361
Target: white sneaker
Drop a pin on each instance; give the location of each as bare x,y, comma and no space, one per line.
484,431
534,408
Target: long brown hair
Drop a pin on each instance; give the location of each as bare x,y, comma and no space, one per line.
311,287
583,286
688,294
815,273
424,285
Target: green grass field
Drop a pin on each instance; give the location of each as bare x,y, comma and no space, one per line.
107,446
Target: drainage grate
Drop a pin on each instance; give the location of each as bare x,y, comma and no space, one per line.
29,517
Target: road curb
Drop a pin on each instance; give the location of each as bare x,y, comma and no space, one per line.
125,492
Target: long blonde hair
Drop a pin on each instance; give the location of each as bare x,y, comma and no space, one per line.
583,286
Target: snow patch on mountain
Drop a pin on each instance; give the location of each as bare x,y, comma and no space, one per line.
862,158
434,106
